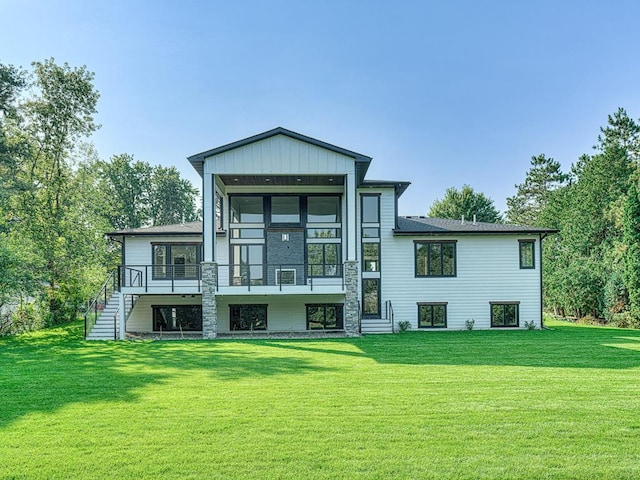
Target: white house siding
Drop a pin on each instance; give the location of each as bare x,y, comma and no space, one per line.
141,318
284,313
488,270
279,155
138,249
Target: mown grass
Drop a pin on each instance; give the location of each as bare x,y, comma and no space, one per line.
562,403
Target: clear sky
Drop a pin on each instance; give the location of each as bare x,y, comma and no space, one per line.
439,93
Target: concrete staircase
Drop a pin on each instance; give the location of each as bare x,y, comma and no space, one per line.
375,325
104,326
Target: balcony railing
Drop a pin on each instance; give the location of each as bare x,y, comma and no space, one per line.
281,275
183,278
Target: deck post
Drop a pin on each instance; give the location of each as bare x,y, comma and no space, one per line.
209,305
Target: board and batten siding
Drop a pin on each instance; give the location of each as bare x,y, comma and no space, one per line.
488,270
279,155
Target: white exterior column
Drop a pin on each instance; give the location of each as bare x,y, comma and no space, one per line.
351,224
209,217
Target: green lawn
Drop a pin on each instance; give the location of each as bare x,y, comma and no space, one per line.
562,403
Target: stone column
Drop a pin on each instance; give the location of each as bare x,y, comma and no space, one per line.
209,306
351,321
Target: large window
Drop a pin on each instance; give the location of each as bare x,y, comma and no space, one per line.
371,297
505,314
325,317
247,209
176,318
323,209
248,264
324,259
432,315
248,317
435,259
179,261
527,253
285,210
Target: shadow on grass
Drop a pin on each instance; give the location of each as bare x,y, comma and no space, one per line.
46,370
565,346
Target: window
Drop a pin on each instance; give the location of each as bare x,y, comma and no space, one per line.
179,261
248,317
247,210
324,209
505,314
324,259
371,257
248,264
175,318
371,297
323,233
432,315
325,317
370,232
435,259
527,254
247,233
285,210
219,210
370,208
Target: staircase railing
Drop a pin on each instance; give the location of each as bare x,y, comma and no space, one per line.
389,314
99,302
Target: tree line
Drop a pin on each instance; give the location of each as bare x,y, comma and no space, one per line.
58,198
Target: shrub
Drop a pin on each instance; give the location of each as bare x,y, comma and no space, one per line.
404,325
469,323
530,325
624,320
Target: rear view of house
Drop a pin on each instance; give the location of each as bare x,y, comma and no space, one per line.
296,239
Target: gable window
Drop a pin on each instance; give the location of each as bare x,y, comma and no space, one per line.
325,317
175,318
179,261
505,314
527,253
435,259
248,317
432,315
285,210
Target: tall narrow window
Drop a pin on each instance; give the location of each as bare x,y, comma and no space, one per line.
371,257
370,208
527,253
248,264
371,297
219,210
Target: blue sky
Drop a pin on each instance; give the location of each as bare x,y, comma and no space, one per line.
439,93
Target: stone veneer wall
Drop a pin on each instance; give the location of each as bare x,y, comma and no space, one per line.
351,320
209,306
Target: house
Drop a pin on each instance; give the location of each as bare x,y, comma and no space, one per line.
296,239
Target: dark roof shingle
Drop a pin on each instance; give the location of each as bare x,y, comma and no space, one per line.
414,225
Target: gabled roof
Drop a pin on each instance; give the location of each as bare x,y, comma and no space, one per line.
191,228
362,161
414,225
